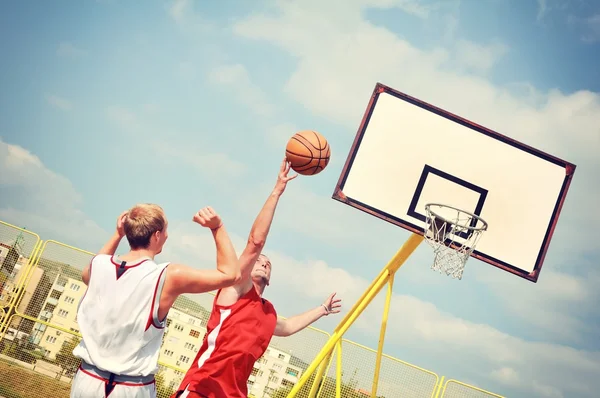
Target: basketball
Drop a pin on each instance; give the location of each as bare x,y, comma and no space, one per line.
308,152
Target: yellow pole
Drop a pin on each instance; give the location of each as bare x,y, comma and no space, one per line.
386,310
20,285
392,266
338,370
319,376
439,389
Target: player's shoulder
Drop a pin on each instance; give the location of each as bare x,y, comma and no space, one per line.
101,257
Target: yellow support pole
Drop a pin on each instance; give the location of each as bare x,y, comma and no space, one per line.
21,284
392,266
319,376
439,389
338,370
386,311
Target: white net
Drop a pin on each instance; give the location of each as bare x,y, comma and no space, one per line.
453,235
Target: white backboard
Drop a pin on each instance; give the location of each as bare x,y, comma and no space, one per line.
408,153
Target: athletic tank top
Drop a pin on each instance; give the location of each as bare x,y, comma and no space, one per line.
118,316
236,337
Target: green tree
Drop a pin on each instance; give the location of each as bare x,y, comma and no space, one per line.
65,358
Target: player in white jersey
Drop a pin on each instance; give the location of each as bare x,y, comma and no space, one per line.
123,312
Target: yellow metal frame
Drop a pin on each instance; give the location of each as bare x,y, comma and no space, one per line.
443,390
385,276
24,278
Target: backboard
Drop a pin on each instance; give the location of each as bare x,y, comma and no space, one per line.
408,153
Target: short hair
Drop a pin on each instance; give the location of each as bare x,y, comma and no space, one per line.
141,222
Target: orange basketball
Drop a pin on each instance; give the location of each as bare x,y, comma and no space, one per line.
308,152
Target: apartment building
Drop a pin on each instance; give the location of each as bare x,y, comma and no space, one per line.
186,327
59,308
276,369
12,269
9,292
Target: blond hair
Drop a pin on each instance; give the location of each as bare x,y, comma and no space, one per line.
142,221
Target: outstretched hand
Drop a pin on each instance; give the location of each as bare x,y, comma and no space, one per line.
332,305
208,218
283,178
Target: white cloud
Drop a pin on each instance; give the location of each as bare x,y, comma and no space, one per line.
556,306
59,102
39,199
236,78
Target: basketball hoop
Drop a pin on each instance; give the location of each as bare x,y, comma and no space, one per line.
452,236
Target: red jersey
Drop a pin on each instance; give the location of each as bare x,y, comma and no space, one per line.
236,337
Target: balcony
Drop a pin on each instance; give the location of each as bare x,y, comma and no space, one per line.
45,315
58,288
52,301
39,327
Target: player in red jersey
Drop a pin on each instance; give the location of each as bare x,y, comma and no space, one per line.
242,323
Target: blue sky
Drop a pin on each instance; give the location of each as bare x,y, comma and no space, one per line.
108,103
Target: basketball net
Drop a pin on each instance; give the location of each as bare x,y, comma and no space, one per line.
453,235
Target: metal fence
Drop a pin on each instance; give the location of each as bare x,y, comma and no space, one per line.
40,289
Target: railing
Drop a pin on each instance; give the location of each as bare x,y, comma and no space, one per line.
40,288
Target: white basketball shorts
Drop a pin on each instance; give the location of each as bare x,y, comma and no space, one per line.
91,382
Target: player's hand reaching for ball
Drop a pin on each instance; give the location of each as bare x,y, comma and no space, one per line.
208,218
283,178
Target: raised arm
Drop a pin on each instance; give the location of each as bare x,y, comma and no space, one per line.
110,247
184,279
261,226
289,326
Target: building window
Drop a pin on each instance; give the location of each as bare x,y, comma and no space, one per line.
287,383
178,327
63,313
168,353
51,339
184,359
281,356
69,300
194,333
189,346
292,372
74,287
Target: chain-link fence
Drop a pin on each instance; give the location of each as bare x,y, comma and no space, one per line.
457,389
41,287
17,253
396,378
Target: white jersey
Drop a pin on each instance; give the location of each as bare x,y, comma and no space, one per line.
118,316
